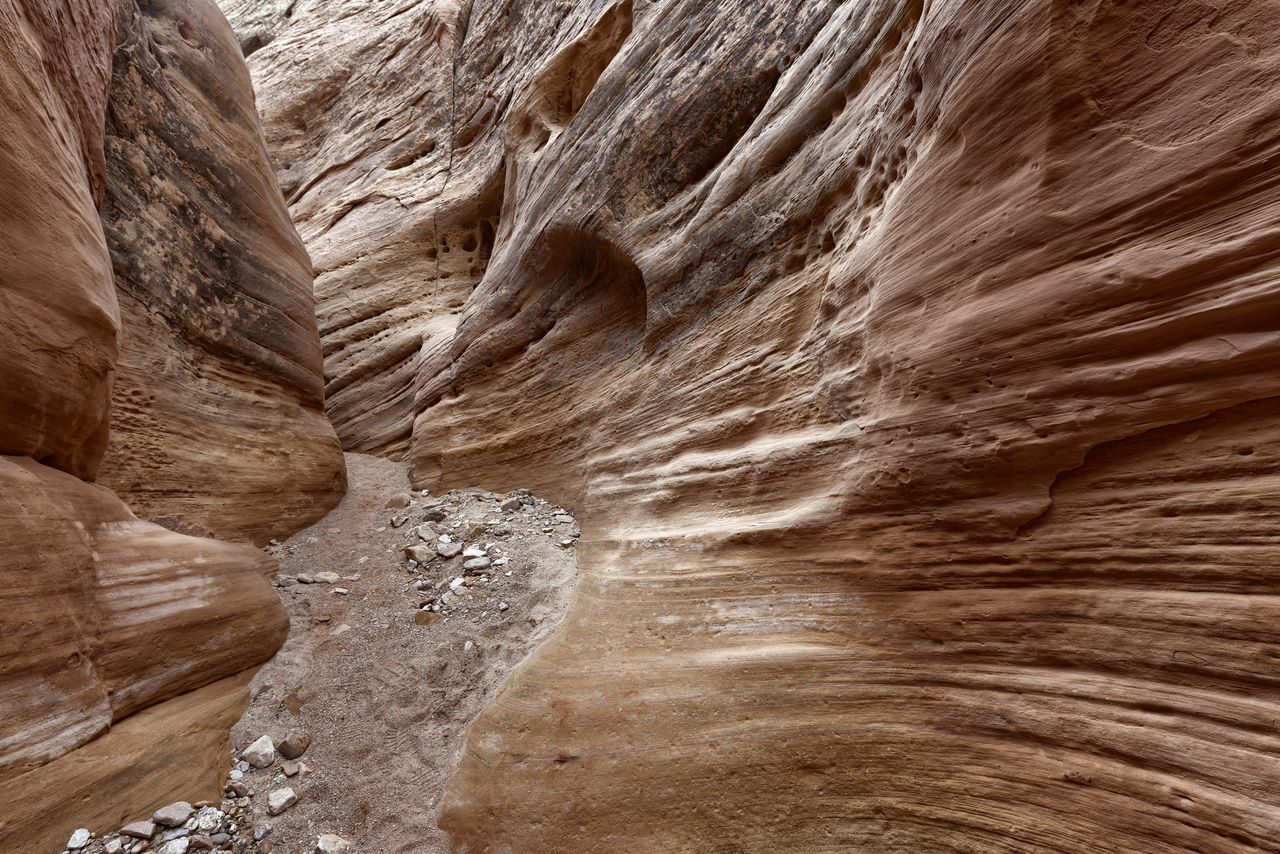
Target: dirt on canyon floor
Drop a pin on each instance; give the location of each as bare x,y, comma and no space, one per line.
408,611
383,687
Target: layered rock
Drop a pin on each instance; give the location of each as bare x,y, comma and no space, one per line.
910,366
125,647
104,616
59,304
358,105
217,418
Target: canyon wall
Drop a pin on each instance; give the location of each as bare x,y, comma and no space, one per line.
172,337
912,367
217,416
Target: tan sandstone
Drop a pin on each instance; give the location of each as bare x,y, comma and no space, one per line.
911,365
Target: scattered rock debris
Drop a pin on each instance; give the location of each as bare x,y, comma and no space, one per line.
356,724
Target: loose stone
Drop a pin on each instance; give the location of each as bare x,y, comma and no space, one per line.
331,843
295,744
79,839
476,564
280,800
421,554
139,829
260,754
399,501
208,819
328,577
176,814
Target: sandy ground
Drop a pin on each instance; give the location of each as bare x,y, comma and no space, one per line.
385,699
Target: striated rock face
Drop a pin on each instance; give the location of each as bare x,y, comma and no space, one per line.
125,647
105,615
217,419
359,117
911,365
59,306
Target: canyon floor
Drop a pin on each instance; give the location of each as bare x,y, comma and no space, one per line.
383,687
385,699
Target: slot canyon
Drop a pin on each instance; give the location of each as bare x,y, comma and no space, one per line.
639,426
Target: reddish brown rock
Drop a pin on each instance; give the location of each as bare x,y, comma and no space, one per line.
397,242
104,615
125,647
910,367
58,303
217,420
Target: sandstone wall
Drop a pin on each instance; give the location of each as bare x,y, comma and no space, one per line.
217,417
125,647
911,365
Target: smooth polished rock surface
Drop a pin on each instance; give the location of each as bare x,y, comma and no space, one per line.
911,368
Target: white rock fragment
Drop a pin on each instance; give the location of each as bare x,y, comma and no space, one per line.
327,577
331,843
280,800
260,754
208,819
79,839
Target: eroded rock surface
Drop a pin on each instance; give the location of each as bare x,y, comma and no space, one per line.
911,366
126,647
217,417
